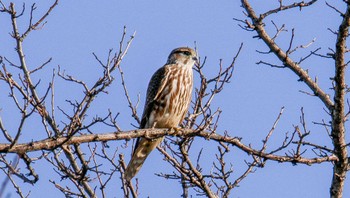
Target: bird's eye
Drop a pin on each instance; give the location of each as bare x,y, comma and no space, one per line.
187,53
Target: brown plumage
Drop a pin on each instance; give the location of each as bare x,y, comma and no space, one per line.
168,98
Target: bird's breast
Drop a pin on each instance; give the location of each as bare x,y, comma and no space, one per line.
173,102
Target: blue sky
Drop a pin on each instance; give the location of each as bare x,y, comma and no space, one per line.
250,103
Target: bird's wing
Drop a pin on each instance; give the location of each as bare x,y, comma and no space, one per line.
155,86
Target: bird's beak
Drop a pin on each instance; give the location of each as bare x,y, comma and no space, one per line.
196,62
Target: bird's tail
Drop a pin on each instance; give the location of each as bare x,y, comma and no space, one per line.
143,149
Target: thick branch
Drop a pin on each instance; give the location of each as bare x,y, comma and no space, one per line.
338,114
50,144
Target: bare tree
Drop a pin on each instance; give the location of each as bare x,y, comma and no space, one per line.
336,107
80,154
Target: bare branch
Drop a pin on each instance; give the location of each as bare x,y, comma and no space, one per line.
299,5
49,144
259,27
338,113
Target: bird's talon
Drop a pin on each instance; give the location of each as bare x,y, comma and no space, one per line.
175,129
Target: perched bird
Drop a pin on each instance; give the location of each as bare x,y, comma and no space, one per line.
168,98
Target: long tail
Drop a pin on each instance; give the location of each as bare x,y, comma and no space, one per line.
142,150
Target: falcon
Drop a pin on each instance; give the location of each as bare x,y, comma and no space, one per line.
168,98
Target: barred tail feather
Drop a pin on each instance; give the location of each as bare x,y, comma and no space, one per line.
143,149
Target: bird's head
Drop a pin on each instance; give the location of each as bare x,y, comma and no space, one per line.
183,55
